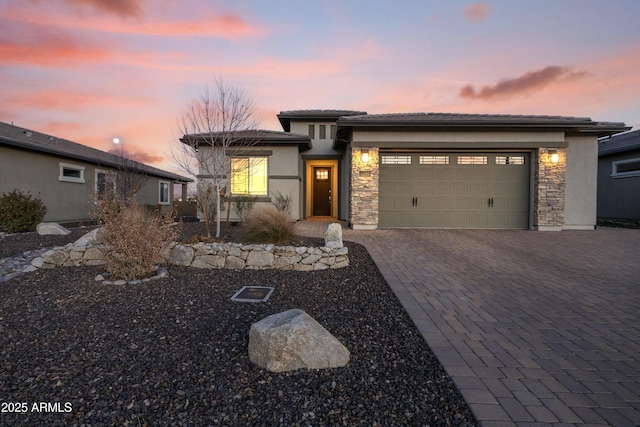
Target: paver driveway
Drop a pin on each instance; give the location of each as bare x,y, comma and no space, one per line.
535,328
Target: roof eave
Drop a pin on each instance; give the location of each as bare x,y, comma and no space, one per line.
93,160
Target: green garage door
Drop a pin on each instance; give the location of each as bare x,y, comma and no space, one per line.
454,190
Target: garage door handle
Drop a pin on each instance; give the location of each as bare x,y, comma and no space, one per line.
490,202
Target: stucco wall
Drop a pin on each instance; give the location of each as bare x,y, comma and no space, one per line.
38,174
284,177
65,201
618,197
320,146
581,183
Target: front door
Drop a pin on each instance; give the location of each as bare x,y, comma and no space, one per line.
321,191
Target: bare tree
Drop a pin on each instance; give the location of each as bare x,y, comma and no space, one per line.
130,175
216,127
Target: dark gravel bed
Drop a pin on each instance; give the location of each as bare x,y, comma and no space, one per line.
14,244
173,352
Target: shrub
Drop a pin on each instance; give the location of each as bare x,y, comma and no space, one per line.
20,212
244,204
135,239
282,202
266,224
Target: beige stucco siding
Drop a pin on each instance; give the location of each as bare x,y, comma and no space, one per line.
284,177
456,140
582,183
320,147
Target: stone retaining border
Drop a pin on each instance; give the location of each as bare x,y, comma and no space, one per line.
213,255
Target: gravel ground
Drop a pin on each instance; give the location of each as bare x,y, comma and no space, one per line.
173,352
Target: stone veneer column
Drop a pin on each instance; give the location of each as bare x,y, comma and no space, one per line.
363,189
549,190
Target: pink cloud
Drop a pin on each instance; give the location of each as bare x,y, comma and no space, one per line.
524,84
228,26
137,155
43,46
70,100
60,128
122,8
476,12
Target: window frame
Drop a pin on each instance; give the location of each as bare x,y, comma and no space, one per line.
312,131
395,159
626,174
247,171
322,131
69,166
160,193
106,173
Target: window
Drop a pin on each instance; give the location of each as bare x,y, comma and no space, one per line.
509,160
249,176
395,160
472,160
333,131
105,183
322,174
71,173
323,131
163,197
434,160
625,168
312,131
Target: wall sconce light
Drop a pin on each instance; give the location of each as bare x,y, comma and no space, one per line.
365,156
553,156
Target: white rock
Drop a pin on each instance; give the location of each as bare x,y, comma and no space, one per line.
45,228
333,236
294,340
94,237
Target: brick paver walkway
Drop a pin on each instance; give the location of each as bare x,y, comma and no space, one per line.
535,328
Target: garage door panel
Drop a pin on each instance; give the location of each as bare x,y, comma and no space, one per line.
452,195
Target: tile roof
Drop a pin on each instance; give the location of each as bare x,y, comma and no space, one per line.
27,139
459,120
285,117
619,143
260,137
320,113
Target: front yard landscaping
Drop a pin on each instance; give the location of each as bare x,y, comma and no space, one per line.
173,351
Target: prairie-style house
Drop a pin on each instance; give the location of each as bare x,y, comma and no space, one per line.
427,169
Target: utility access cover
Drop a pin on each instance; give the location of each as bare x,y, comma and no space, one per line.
252,294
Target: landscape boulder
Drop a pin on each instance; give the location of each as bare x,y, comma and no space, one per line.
51,228
294,340
333,236
94,237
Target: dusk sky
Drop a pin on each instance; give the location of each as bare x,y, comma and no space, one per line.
92,70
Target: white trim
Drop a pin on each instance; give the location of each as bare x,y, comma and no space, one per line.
614,169
70,166
160,202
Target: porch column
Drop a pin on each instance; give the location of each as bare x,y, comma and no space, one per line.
363,188
549,189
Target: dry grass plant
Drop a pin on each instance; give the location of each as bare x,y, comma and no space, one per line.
135,239
266,224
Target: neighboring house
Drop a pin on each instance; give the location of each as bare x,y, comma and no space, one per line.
66,175
432,170
619,176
